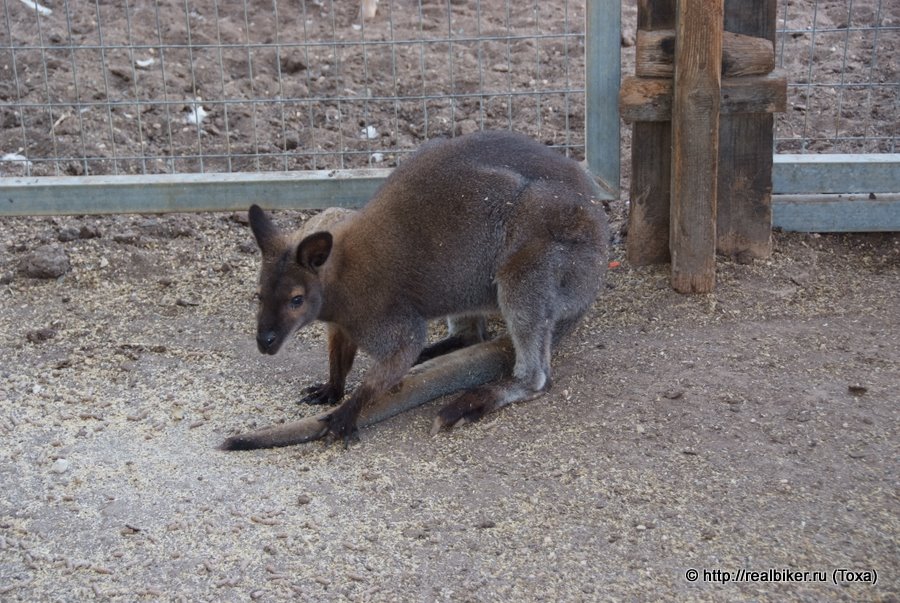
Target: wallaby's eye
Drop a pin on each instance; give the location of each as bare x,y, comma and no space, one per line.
296,301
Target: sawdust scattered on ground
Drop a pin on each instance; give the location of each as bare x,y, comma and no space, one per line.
753,428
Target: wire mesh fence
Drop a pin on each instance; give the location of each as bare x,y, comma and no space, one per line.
842,59
170,86
167,86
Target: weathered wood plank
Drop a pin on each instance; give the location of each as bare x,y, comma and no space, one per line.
646,99
648,214
744,212
651,156
755,94
695,142
744,215
656,14
741,55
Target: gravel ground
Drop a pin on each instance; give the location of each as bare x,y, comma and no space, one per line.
754,428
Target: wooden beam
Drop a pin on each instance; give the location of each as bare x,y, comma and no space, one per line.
648,213
744,209
741,55
646,99
651,156
695,144
744,215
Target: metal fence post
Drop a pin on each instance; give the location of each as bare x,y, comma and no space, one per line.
602,76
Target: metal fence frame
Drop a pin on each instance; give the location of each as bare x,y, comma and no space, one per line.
836,192
309,189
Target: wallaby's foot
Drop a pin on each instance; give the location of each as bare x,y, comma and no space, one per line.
321,393
475,403
342,423
467,408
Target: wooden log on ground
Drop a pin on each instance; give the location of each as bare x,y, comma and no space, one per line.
695,144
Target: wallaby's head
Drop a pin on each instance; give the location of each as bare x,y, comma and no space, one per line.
290,288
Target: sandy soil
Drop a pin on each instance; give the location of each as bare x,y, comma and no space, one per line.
753,428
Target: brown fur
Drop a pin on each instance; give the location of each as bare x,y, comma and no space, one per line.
487,223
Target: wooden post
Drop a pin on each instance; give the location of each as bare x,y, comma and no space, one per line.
676,209
744,219
695,144
651,143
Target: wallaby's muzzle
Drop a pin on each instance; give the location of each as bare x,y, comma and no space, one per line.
266,341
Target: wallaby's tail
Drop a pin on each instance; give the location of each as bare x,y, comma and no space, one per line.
463,369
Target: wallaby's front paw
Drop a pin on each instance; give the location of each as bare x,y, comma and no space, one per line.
321,393
342,424
467,408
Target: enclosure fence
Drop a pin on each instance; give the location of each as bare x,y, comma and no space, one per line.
838,139
157,105
156,87
841,59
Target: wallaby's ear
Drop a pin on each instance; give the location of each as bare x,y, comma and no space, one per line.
263,228
314,250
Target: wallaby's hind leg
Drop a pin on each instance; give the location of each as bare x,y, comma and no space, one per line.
543,290
474,404
530,303
531,376
463,331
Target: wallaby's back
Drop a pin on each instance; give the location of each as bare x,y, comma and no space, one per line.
441,224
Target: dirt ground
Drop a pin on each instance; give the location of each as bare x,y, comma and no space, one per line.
753,429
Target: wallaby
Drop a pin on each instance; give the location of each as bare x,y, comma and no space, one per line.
491,222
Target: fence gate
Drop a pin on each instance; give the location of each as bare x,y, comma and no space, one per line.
165,105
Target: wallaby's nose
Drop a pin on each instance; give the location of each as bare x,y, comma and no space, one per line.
264,340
